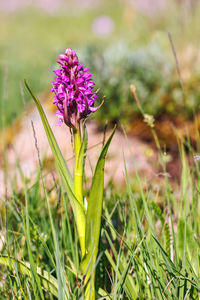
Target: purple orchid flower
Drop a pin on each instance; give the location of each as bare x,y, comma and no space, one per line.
73,89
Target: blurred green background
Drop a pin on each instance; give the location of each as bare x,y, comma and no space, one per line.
123,42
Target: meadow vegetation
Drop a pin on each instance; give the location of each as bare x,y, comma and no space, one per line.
149,244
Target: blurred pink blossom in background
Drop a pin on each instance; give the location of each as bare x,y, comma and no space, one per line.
148,7
102,26
48,6
11,5
86,4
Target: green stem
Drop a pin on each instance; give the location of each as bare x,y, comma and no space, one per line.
78,186
78,191
78,172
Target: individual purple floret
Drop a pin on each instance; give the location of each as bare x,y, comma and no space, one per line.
73,88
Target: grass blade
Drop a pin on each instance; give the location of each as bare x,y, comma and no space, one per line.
48,281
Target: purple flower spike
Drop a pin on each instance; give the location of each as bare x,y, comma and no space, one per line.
73,89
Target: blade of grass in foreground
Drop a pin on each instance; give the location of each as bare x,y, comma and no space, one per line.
48,281
121,269
156,286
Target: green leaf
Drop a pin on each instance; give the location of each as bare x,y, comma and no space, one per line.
48,281
78,209
94,210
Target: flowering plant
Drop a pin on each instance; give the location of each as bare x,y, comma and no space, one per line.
74,98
